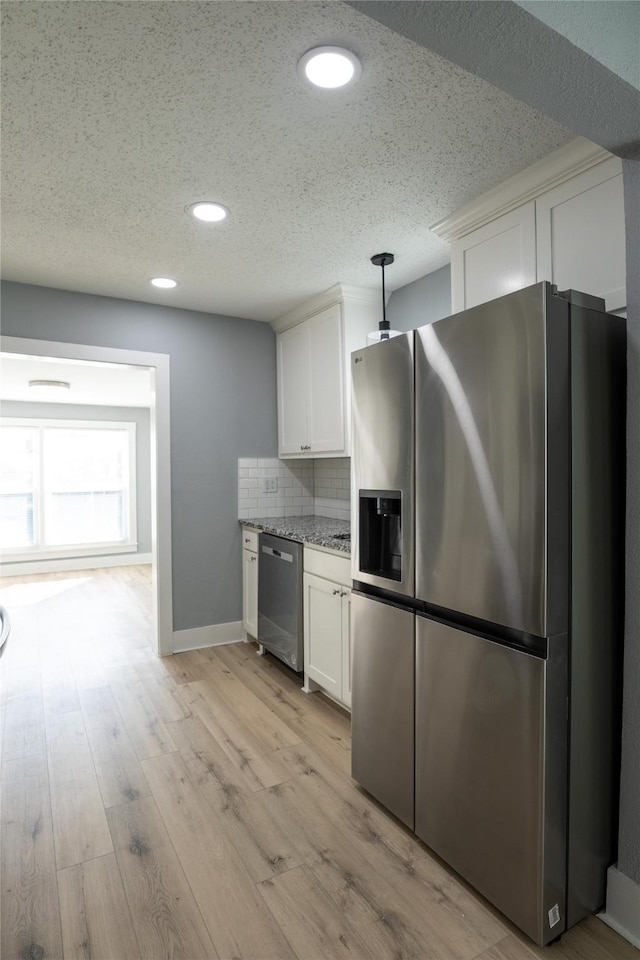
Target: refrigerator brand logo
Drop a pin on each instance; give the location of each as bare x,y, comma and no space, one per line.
358,360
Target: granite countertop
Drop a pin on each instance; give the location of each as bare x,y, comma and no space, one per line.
316,531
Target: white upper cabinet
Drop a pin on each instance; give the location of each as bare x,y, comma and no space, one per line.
561,220
580,234
311,386
293,388
326,426
509,241
313,370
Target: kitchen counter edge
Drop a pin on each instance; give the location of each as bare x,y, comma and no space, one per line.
316,532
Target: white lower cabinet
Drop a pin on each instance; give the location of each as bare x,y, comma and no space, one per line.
346,649
326,605
250,582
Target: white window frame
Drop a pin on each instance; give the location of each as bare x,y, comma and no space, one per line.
41,552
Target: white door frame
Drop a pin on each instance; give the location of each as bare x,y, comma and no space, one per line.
160,462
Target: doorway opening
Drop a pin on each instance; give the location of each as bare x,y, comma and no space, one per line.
95,366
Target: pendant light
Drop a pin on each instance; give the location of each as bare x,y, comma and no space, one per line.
383,332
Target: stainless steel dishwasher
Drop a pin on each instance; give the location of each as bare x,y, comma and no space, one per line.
280,599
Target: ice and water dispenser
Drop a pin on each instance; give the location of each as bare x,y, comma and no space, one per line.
381,533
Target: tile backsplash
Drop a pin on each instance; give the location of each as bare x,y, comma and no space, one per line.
332,488
294,488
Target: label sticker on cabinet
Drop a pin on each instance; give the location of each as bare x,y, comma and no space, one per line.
554,915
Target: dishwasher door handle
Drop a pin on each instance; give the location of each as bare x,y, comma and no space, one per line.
278,554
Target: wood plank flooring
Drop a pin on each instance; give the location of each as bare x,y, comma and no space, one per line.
201,806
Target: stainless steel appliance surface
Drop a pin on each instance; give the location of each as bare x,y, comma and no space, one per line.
488,491
280,599
382,704
382,446
483,382
491,768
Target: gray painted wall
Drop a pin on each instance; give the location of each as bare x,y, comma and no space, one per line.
423,301
504,44
608,30
223,406
137,415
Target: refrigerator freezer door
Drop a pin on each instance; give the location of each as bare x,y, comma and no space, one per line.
382,697
382,450
490,770
481,459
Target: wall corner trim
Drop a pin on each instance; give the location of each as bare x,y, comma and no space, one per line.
214,635
622,912
574,158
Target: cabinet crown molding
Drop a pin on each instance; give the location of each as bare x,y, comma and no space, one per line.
563,164
338,293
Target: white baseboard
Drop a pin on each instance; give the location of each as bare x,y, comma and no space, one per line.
622,912
212,636
30,567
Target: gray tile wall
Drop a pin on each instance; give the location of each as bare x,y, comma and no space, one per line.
294,488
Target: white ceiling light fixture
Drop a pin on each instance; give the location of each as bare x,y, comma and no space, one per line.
208,211
330,67
165,283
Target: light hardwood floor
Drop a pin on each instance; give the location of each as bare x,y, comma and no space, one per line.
201,806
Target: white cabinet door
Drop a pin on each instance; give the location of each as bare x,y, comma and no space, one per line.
581,236
346,647
323,633
495,259
311,387
293,389
250,592
326,419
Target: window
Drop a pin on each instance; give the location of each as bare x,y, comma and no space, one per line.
67,487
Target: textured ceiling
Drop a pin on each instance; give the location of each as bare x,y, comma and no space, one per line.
546,68
118,115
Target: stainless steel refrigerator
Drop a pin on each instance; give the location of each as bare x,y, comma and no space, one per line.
488,498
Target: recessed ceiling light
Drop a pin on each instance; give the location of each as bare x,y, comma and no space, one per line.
329,67
210,212
164,282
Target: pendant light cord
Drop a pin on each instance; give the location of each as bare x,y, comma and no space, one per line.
384,301
383,260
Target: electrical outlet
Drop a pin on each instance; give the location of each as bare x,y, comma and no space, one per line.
270,485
